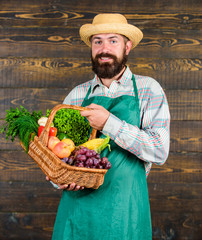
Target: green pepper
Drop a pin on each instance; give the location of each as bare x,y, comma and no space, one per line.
62,135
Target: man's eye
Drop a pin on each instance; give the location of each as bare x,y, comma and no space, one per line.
98,42
113,41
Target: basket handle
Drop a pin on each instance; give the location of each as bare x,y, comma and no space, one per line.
45,133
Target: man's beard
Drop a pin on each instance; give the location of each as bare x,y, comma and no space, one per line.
108,70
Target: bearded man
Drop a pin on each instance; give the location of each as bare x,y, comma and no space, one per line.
133,111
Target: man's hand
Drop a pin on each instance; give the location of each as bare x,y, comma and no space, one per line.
97,117
70,187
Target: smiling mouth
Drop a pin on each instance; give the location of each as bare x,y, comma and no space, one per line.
105,59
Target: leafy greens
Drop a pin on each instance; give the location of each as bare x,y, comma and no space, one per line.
70,122
20,122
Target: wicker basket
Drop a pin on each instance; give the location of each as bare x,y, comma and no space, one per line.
58,171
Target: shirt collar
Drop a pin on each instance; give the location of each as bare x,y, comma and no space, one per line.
127,76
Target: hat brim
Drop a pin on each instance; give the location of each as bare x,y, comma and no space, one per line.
133,33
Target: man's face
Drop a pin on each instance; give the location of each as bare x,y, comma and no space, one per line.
109,54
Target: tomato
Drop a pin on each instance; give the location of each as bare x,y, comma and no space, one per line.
40,130
53,131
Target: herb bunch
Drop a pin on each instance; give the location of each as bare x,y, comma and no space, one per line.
20,122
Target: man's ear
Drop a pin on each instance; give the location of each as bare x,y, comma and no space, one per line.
128,47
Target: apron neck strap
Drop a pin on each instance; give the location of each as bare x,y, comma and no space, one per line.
134,86
88,93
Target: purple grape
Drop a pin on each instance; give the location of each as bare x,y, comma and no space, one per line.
71,160
89,162
65,159
108,165
81,158
96,162
104,161
99,166
84,157
82,151
89,154
93,152
79,164
97,156
78,156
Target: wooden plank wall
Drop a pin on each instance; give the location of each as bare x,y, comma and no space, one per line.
42,58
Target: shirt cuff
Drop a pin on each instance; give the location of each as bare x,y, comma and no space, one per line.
54,185
112,126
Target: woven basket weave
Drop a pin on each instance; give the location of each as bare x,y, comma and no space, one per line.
58,171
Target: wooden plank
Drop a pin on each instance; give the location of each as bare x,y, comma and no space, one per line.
19,166
32,99
26,226
25,197
172,74
95,7
60,42
179,167
52,72
186,136
184,104
176,225
44,72
165,197
64,18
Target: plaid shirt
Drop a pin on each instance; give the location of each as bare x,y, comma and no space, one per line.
150,142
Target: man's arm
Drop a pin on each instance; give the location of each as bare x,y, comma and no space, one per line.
150,142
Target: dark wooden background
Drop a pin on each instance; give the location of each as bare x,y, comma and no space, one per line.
42,58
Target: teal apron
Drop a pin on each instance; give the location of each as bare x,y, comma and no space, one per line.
119,209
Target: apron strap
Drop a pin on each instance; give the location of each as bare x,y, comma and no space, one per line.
135,88
88,93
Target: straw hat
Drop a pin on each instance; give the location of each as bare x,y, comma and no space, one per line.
110,23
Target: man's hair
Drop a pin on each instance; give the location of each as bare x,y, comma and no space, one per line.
125,39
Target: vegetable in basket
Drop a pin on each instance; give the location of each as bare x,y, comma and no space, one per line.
97,144
72,124
20,122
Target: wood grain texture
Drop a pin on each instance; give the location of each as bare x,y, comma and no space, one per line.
95,7
179,168
42,58
176,225
60,42
62,72
38,197
65,18
26,226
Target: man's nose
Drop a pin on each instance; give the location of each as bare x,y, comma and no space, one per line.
105,47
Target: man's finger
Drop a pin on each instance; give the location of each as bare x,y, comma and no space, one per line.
85,113
71,186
